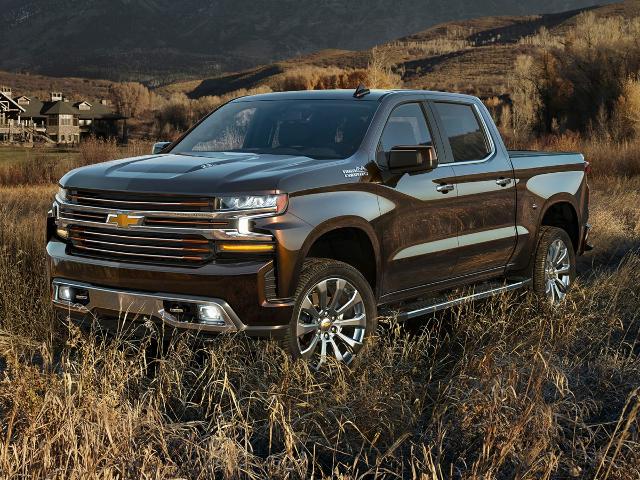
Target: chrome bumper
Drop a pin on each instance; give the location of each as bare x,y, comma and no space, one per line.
132,306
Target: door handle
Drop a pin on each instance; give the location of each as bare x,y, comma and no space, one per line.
445,188
503,182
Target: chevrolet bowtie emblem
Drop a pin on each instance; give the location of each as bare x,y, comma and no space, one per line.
122,220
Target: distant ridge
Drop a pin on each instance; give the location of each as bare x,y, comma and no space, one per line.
472,56
158,41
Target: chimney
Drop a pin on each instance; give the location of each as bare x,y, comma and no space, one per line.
6,90
56,96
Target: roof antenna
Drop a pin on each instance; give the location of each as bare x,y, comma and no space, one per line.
361,91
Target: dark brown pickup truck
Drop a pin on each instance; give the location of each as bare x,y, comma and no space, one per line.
302,215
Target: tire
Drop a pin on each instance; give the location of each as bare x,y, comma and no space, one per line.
330,325
554,268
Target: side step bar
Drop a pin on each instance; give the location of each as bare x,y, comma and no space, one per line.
457,301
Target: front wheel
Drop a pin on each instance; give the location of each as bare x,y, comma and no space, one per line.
555,264
334,313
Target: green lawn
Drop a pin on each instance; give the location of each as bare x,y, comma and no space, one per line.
10,154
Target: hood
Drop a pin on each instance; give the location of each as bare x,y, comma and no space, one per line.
201,174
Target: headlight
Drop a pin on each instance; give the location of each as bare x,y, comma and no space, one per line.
62,194
275,203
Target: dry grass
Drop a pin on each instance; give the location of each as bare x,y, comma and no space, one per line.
44,166
501,389
607,158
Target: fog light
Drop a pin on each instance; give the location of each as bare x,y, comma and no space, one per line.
62,233
65,292
211,314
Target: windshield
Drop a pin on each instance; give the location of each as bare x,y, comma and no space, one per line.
319,129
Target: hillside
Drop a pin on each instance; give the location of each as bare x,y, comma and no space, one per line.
473,56
39,86
160,40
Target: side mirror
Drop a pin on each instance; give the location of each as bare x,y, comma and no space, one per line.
412,158
158,147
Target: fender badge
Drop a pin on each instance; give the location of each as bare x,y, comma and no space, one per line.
360,171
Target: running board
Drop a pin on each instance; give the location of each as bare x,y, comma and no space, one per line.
458,301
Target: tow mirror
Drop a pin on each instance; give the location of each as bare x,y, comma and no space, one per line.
414,158
158,147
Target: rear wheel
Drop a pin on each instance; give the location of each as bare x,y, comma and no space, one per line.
334,313
555,264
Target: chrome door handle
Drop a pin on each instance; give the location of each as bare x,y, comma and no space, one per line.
445,188
503,182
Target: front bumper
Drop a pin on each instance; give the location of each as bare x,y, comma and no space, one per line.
139,292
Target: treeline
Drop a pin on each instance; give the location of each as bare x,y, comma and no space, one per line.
587,82
168,117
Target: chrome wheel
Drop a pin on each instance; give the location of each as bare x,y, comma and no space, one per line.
332,321
557,272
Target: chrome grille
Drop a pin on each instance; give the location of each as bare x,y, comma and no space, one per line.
140,201
83,216
170,222
142,247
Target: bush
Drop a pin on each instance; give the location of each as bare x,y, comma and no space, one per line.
578,85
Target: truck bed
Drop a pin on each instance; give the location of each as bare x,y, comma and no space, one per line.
523,159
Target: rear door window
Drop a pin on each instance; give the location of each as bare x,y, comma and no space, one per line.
464,131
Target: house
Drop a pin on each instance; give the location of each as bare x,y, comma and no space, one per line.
10,115
61,121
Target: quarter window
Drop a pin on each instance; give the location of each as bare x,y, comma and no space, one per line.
462,127
406,126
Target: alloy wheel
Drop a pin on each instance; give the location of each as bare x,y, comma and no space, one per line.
332,321
557,271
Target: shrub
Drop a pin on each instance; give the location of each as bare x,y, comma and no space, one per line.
577,85
626,113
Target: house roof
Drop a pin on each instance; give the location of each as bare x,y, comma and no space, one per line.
34,109
5,97
39,109
60,108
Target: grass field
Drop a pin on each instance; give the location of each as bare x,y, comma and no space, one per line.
16,155
507,388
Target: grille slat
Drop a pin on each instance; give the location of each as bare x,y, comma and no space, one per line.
133,236
136,246
182,250
139,201
90,217
112,253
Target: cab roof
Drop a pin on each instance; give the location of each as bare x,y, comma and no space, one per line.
373,96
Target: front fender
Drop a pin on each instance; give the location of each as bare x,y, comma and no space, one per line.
318,213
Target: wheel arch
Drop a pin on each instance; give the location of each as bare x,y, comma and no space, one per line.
321,242
561,212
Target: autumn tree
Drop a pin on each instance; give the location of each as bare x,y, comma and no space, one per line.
131,98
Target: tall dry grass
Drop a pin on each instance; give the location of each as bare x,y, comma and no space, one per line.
502,389
607,158
44,166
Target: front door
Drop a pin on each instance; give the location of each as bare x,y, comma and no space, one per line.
418,226
485,183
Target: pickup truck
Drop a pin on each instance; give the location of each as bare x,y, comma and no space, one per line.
305,215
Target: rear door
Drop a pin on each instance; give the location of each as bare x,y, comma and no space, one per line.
418,226
486,193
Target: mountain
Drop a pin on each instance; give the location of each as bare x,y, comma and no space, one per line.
162,40
472,56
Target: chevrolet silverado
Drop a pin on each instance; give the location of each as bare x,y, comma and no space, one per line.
305,215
